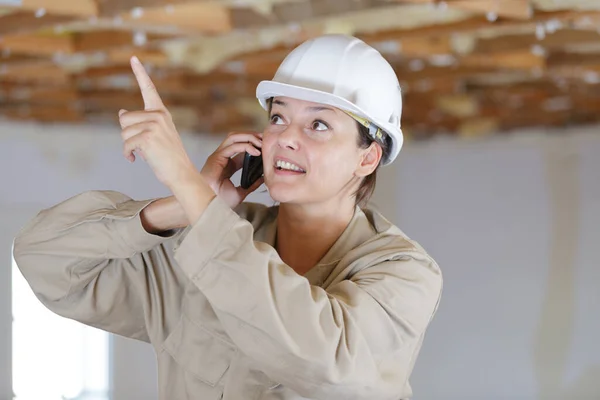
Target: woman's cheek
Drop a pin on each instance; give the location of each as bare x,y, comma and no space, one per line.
268,142
318,136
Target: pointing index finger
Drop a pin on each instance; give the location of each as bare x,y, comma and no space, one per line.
152,100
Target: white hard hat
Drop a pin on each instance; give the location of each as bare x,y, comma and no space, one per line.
344,72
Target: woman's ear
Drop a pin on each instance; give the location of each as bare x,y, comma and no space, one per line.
369,160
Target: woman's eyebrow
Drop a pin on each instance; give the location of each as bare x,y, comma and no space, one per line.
311,109
319,108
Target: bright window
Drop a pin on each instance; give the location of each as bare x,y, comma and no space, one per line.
55,358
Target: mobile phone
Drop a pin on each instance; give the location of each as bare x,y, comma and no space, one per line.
252,170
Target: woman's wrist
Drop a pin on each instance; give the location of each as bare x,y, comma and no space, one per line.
163,215
194,195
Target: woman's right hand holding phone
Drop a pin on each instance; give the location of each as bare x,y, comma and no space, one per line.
226,160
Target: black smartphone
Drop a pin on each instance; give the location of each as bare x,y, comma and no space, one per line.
252,170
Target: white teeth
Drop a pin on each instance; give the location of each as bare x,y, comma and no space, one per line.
288,166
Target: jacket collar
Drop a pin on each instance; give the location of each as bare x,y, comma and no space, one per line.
359,230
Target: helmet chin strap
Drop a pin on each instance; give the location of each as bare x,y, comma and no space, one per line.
374,131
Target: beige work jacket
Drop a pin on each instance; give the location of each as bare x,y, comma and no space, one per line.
226,317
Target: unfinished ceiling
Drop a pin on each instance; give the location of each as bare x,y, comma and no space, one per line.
467,67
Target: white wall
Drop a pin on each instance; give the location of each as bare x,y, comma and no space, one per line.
513,222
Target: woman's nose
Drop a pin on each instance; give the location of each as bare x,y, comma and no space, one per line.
289,138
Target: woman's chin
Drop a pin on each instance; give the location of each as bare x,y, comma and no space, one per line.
283,193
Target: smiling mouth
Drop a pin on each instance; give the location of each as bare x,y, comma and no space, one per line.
287,166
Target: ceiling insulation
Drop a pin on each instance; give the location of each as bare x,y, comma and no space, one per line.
467,67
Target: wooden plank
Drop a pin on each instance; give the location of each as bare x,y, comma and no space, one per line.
79,8
43,113
26,21
474,25
261,69
40,72
437,85
426,46
559,39
552,5
37,45
456,72
321,8
101,40
247,17
518,9
295,11
458,105
112,8
222,84
5,10
478,127
567,59
205,17
39,95
103,72
6,57
112,100
298,11
104,39
509,60
147,56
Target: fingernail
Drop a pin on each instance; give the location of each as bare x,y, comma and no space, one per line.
121,112
135,60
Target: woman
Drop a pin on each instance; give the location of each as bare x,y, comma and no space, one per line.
316,298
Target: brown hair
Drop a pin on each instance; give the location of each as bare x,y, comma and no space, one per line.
367,186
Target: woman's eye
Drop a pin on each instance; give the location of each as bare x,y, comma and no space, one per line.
320,126
276,119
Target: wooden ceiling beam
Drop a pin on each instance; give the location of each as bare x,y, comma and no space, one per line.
553,5
39,72
111,100
193,16
559,39
37,45
523,59
26,21
112,8
455,72
103,72
564,59
79,8
426,46
147,56
282,13
517,9
33,94
102,40
477,24
42,113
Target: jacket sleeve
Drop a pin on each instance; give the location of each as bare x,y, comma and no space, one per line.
89,259
355,340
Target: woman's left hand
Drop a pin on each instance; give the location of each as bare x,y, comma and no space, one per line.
151,134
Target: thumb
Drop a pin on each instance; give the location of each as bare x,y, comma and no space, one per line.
121,112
